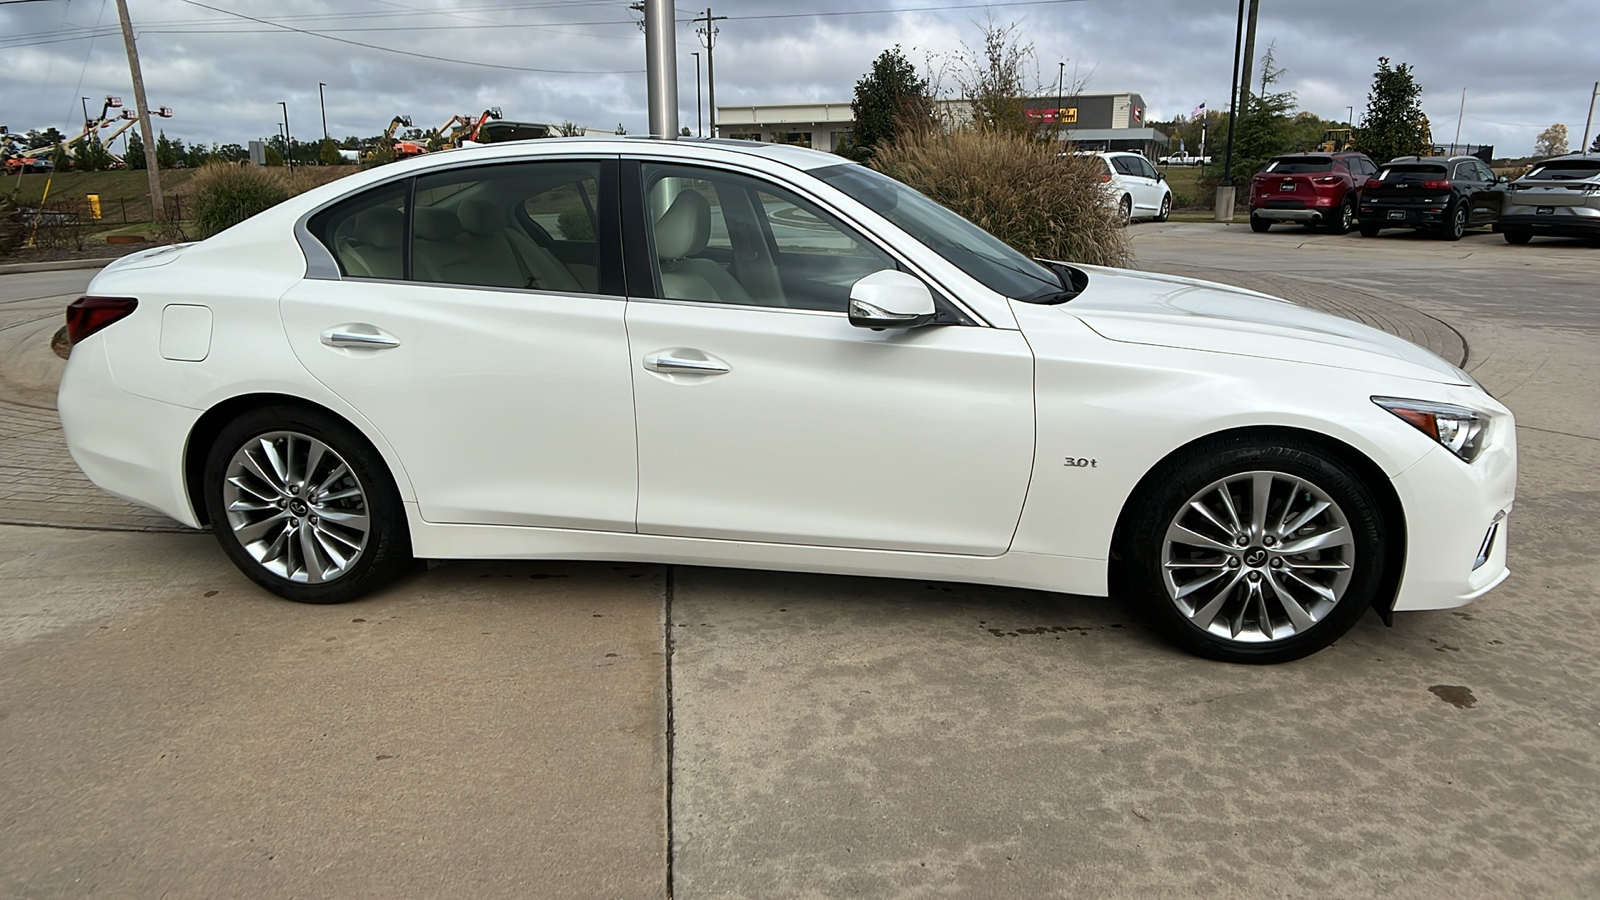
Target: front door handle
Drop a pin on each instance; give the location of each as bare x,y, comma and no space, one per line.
676,362
360,336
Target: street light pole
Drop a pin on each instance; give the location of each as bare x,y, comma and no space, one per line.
1061,74
698,130
321,103
288,142
1584,147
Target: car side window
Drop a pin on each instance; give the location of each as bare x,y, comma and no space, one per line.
1124,165
1485,173
366,234
1466,171
724,237
1145,169
529,225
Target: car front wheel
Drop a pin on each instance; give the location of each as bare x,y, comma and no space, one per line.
1166,209
1254,552
305,506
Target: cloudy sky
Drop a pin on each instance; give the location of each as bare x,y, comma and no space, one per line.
223,65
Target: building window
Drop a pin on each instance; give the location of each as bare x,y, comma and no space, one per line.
797,138
744,135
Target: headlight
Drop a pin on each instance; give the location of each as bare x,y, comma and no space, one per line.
1456,428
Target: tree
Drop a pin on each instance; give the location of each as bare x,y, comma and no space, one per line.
133,151
571,129
1595,147
888,99
231,153
992,81
621,129
1551,142
90,154
166,151
1394,124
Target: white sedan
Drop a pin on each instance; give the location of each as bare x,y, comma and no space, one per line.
733,354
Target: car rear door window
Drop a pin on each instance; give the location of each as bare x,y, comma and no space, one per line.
367,233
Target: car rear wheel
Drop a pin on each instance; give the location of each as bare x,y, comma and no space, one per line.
1518,236
1370,230
1345,221
1258,224
305,506
1125,210
1456,224
1252,551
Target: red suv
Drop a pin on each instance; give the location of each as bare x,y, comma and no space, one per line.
1317,189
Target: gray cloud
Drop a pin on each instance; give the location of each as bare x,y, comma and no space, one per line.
1522,68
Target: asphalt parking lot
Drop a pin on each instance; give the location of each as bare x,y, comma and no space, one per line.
613,730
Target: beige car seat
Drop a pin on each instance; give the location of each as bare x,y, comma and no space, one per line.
681,233
375,253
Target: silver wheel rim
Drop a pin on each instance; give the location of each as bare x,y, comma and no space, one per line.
1258,557
1347,216
1127,210
296,507
1166,206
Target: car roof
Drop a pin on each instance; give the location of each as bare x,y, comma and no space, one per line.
788,154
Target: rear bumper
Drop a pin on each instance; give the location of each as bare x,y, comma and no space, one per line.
1314,216
1554,225
1402,216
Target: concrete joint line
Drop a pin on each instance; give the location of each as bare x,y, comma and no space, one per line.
670,648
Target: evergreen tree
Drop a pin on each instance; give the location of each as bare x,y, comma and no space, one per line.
1595,147
133,153
328,154
888,98
166,152
90,154
1394,125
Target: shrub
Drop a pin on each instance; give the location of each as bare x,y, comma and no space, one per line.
575,225
11,230
1021,190
223,195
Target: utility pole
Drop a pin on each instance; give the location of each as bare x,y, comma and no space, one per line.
1584,147
323,105
1249,53
158,206
1061,74
661,68
288,142
698,130
709,32
1224,204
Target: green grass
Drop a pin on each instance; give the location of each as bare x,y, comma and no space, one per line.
131,185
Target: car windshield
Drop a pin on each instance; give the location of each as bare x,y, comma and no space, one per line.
964,245
1299,165
1567,170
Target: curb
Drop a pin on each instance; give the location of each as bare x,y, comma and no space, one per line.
56,266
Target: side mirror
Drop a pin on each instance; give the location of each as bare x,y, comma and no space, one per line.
890,299
1160,177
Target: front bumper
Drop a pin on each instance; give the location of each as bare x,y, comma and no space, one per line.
1451,508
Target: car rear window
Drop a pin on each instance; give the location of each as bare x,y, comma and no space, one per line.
1401,171
1299,165
1567,170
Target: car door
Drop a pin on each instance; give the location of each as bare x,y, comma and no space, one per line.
1137,185
1154,189
1494,193
764,415
497,371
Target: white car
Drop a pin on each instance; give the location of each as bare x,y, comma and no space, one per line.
1138,191
733,354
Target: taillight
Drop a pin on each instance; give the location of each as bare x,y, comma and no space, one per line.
1105,177
1327,179
1442,185
1374,183
86,315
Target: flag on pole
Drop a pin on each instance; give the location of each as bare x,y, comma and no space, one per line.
1199,111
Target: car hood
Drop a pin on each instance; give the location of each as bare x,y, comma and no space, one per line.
1167,311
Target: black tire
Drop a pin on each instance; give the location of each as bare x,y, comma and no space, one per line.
1259,225
1370,230
1125,210
1295,468
1345,221
1518,235
384,548
1455,224
1166,208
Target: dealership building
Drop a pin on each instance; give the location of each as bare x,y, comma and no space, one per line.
1092,121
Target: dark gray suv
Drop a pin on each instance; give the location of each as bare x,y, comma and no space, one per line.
1558,198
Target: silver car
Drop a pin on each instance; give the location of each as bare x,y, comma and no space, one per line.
1559,197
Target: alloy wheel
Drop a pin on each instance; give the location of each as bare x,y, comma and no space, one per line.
1258,556
296,507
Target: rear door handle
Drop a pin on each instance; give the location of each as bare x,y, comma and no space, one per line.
670,363
359,336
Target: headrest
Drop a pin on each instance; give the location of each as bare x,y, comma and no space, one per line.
481,217
382,228
685,227
434,224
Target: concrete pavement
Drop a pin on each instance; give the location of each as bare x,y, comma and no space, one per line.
832,736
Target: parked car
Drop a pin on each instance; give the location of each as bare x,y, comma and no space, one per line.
1319,190
1184,159
761,356
1557,198
1138,191
1444,195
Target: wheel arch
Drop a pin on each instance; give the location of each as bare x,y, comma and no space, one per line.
210,425
1370,472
